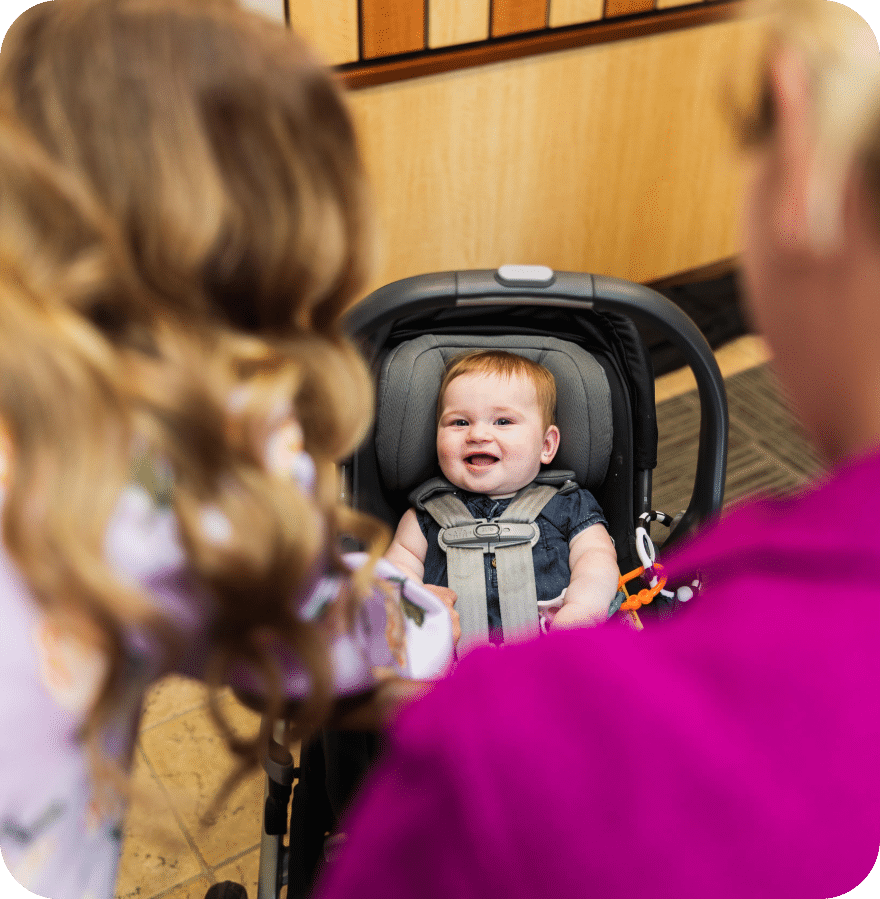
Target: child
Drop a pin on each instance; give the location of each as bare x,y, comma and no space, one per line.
181,229
495,430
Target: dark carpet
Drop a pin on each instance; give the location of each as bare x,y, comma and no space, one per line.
767,450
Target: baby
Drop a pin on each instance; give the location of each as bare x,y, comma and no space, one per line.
495,429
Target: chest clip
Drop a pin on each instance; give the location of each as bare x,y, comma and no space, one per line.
487,536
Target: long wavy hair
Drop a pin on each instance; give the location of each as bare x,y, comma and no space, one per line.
196,226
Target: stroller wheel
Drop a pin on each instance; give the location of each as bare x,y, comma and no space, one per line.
227,890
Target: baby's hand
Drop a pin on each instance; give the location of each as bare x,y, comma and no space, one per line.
448,598
547,609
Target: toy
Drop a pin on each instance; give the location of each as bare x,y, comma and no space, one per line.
651,573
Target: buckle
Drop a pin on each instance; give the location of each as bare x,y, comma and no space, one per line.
487,536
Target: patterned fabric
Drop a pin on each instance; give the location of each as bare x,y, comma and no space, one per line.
56,838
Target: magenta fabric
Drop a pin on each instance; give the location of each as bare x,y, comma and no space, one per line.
729,751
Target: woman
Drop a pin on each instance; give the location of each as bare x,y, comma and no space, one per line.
725,752
182,227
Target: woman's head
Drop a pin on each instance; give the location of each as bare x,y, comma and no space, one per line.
826,50
811,226
191,221
218,141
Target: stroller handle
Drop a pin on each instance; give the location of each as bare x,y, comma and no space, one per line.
542,286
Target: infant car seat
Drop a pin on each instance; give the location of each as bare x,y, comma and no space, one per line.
405,439
582,327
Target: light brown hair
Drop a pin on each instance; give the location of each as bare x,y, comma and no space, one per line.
842,67
193,225
506,365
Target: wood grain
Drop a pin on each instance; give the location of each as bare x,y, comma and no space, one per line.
389,27
331,25
668,4
574,12
457,22
614,8
384,71
274,9
615,159
514,16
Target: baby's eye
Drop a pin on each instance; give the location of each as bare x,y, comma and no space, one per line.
458,423
504,421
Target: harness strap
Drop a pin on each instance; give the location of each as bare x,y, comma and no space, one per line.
447,510
464,560
467,576
515,565
528,503
465,570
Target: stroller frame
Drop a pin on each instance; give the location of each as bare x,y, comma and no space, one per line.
433,297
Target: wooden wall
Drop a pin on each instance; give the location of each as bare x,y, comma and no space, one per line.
614,158
352,31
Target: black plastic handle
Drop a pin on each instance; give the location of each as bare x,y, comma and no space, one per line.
485,287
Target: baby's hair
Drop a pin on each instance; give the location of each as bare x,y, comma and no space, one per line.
506,365
183,226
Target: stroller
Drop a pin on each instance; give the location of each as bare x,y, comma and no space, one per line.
581,327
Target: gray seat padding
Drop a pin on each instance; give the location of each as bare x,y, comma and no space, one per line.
409,382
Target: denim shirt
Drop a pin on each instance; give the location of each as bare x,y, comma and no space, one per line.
563,518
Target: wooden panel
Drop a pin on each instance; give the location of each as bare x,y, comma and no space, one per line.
274,9
626,7
331,25
513,16
667,4
457,22
583,160
573,12
550,40
392,26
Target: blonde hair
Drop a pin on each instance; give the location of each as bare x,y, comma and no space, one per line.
842,65
195,226
505,365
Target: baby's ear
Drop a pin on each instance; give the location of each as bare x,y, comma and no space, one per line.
551,445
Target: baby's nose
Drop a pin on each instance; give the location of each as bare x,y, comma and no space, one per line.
478,431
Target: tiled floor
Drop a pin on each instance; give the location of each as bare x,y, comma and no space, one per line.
181,762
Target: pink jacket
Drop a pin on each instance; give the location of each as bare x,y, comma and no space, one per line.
727,752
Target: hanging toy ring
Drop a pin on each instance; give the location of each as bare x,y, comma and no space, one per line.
644,545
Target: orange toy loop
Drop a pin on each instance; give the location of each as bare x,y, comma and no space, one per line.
643,597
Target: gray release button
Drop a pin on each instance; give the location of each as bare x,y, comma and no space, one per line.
525,275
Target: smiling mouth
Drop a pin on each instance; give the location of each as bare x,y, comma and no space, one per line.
480,460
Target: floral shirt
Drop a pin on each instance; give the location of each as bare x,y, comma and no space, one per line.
56,838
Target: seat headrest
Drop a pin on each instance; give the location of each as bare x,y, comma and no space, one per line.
409,382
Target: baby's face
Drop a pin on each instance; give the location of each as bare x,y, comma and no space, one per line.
491,438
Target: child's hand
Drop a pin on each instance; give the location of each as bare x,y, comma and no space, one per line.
448,598
547,609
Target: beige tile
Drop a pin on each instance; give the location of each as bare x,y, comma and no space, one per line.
193,889
169,697
155,852
190,758
243,870
738,355
752,347
673,384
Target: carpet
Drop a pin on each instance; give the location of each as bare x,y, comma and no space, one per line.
767,450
